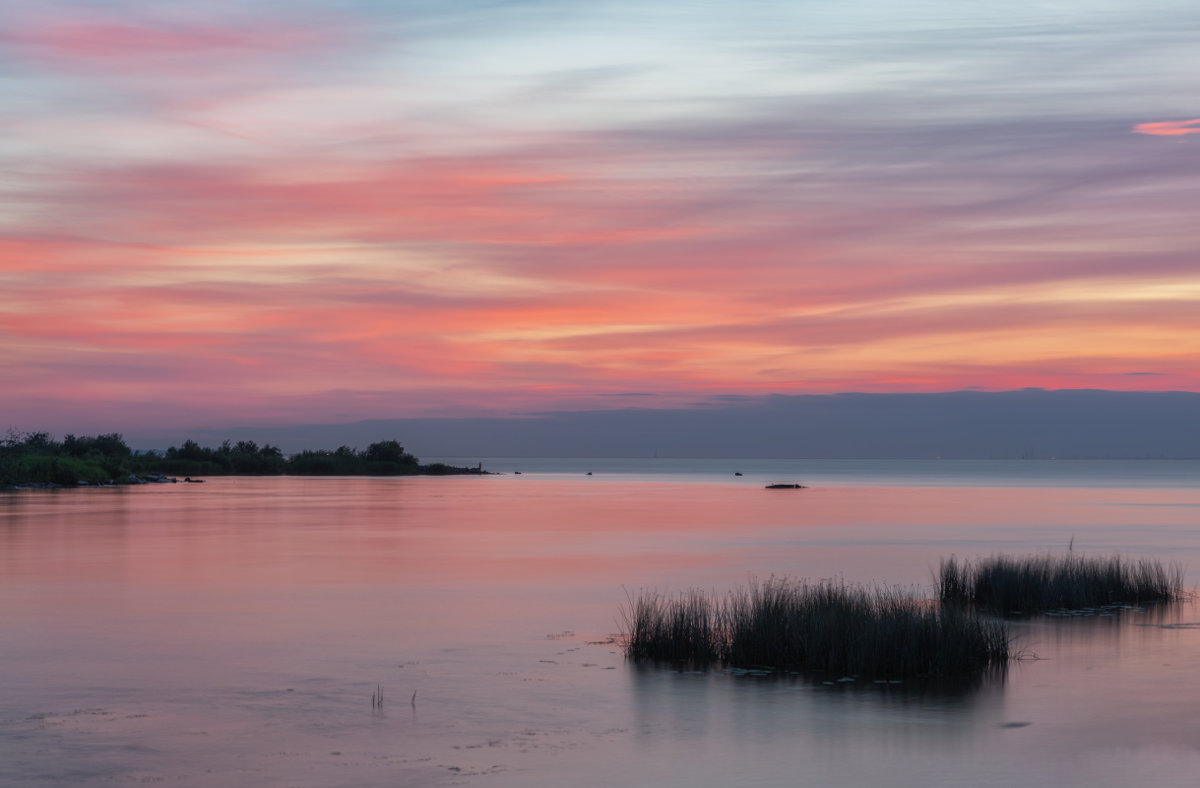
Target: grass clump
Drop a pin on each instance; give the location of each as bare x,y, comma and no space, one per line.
681,629
1037,583
827,627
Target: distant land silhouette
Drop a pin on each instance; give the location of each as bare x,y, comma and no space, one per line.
1029,423
37,459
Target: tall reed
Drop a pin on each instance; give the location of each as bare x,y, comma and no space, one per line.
1036,583
826,627
683,628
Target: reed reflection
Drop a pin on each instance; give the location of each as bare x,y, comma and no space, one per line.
791,710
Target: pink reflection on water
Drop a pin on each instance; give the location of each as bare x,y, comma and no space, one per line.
201,607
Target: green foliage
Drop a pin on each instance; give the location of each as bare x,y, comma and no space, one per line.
194,452
45,469
247,457
385,451
385,458
176,467
112,445
38,458
322,463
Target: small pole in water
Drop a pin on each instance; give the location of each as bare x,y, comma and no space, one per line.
414,699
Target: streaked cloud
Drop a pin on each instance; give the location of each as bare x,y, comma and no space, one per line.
119,45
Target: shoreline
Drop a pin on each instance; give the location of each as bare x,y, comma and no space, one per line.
137,480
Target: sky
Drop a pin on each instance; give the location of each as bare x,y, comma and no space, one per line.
1029,424
305,211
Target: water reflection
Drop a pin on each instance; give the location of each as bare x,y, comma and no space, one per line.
1103,629
182,616
772,707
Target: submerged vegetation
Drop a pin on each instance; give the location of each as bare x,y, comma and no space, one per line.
828,628
38,459
1037,583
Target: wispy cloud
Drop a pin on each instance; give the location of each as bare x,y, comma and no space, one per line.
1169,128
120,45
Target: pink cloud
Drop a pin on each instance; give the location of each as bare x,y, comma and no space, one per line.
324,281
93,42
112,40
495,201
1169,128
624,295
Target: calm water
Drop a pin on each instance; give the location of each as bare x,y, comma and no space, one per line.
233,633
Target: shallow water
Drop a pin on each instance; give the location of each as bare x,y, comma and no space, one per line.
233,633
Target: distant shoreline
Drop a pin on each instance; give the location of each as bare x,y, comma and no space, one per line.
150,480
38,461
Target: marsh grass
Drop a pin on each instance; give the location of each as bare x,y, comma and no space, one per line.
1037,583
827,628
686,628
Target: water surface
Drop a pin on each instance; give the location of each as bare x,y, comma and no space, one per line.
233,633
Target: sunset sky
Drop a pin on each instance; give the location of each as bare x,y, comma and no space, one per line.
294,211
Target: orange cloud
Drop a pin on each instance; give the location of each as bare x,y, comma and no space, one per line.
1169,128
200,326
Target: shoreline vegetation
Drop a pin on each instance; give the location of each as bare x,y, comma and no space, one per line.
1032,584
38,460
832,629
843,633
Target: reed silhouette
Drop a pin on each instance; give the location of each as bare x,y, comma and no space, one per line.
1037,583
827,628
